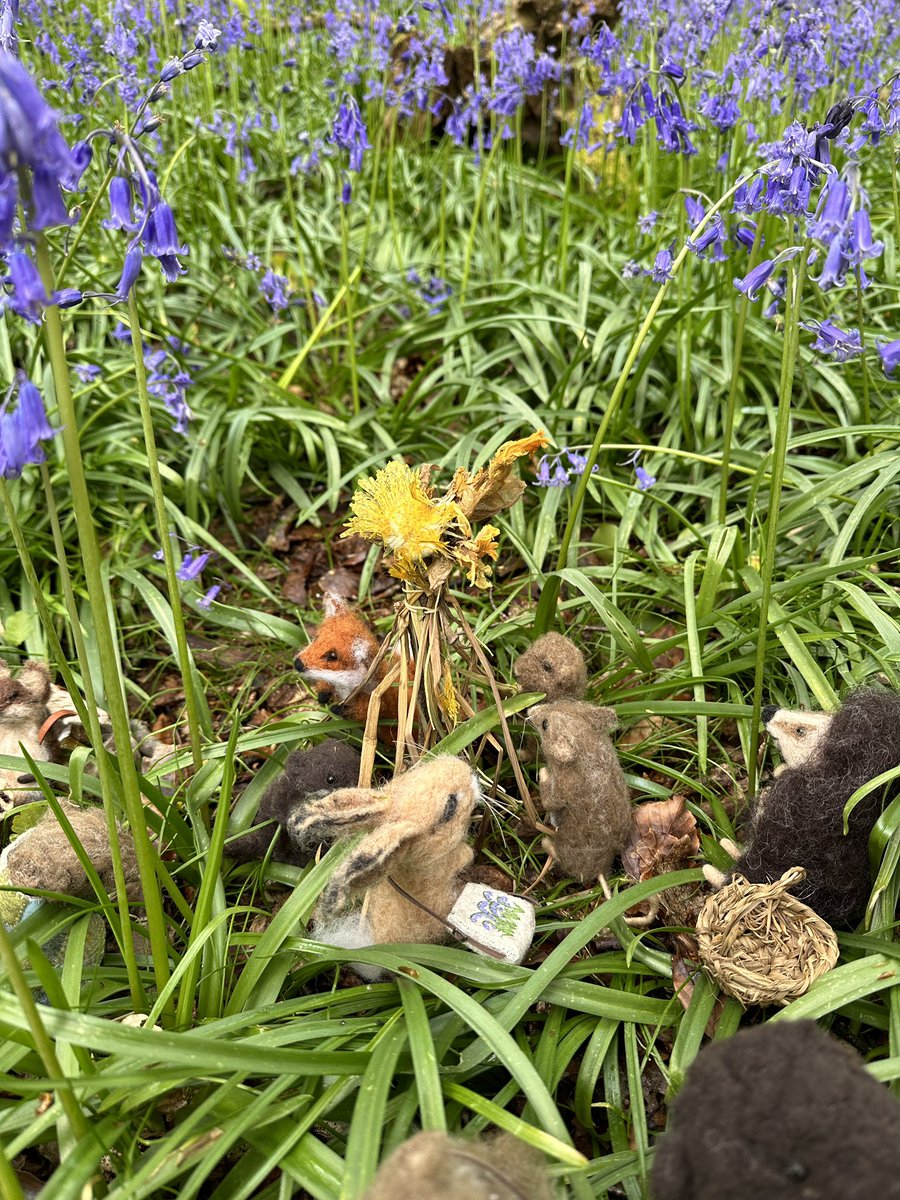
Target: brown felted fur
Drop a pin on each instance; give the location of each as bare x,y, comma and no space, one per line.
433,1166
553,665
583,788
417,826
23,710
43,858
798,819
308,774
779,1112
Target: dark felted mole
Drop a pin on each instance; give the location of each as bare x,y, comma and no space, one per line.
798,819
779,1112
553,665
433,1166
307,774
583,788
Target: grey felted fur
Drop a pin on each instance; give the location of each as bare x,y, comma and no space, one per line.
798,819
779,1112
307,774
553,665
433,1166
583,788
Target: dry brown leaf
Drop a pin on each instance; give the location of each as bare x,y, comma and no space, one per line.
663,838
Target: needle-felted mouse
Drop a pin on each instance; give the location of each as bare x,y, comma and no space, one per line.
554,665
416,830
307,775
781,1111
798,819
23,712
583,788
434,1166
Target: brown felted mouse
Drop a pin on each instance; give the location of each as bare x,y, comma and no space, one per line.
416,828
583,788
553,665
307,775
781,1111
434,1166
43,858
798,819
23,712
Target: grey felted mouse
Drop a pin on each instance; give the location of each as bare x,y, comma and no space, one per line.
554,665
433,1166
307,775
583,788
798,819
781,1111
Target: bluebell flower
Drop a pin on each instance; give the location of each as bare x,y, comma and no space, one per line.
192,566
833,341
87,372
859,240
67,297
130,272
207,36
662,266
632,269
754,281
578,462
120,202
22,431
711,242
695,210
647,222
349,132
276,290
645,480
207,598
160,239
889,352
28,298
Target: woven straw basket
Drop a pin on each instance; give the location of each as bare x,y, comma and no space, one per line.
760,944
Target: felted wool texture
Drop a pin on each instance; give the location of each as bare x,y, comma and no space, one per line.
583,788
23,709
43,858
433,1166
553,665
417,826
779,1112
307,773
798,819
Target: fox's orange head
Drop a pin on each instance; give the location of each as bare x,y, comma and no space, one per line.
340,654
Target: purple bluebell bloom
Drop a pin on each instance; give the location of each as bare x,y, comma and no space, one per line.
276,290
120,206
28,298
87,372
349,132
662,266
859,239
22,431
754,281
159,235
647,222
130,272
207,37
578,462
191,567
645,480
889,353
207,598
834,342
67,297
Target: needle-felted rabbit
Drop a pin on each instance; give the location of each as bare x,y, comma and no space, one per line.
416,828
433,1166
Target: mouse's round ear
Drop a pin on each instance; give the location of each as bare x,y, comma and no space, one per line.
605,718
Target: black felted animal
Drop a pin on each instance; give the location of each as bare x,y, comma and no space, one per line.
779,1112
307,774
798,819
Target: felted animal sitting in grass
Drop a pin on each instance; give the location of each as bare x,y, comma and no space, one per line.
781,1111
798,819
583,788
433,1166
307,775
416,827
554,665
23,713
337,662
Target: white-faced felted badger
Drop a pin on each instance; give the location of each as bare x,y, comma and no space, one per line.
798,819
781,1111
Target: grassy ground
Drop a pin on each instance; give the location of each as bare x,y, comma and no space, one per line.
760,566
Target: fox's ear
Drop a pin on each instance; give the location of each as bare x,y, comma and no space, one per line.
334,604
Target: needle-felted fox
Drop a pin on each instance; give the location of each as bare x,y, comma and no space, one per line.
337,661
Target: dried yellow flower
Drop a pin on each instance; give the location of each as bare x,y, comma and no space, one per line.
447,697
395,509
472,552
494,488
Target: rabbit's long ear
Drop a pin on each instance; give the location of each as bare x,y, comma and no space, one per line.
344,811
369,861
35,676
